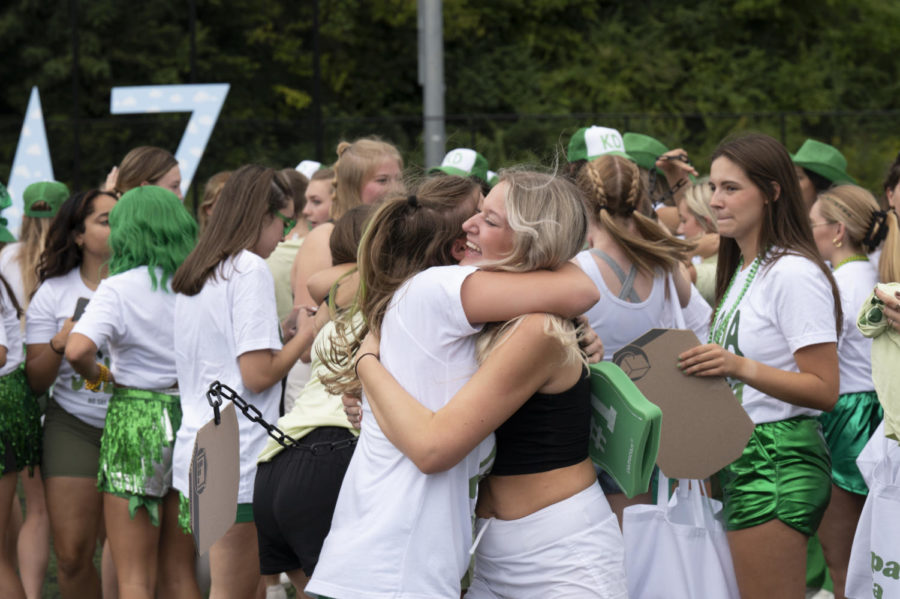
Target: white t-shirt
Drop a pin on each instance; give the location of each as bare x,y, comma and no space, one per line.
233,314
54,302
9,266
788,306
398,533
619,322
10,335
855,281
137,324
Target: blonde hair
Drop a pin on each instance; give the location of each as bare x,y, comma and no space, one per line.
211,192
852,206
696,200
354,167
549,224
33,240
612,187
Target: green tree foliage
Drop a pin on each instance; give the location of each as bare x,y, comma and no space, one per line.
521,75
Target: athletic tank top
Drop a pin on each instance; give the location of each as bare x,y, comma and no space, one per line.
549,431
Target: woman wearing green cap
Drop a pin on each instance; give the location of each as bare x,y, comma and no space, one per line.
19,266
132,313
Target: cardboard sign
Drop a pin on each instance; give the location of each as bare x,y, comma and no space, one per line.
704,428
214,478
625,429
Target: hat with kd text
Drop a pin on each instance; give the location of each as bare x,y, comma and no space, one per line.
308,168
51,193
590,142
465,163
824,160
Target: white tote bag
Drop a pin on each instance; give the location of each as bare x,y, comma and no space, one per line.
874,569
677,549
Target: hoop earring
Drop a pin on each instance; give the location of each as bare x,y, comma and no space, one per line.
837,242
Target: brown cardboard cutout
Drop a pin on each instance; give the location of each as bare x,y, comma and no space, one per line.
214,478
704,428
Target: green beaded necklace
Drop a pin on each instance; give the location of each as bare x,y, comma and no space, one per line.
717,333
853,258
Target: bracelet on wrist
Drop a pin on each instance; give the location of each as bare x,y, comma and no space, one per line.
60,352
356,366
96,384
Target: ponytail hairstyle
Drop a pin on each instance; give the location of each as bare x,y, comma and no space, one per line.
249,200
785,227
149,226
355,165
61,253
857,209
142,165
404,236
612,187
889,263
33,239
549,225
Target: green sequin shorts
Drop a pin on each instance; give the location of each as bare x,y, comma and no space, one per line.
20,424
137,443
784,474
847,428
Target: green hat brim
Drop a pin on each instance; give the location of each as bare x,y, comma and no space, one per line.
452,170
6,236
829,172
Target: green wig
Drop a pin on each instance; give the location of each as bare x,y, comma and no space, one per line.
150,227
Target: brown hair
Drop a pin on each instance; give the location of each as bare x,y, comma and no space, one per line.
251,196
298,183
347,232
612,186
785,227
354,167
211,192
143,164
405,235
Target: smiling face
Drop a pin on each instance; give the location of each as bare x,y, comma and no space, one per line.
383,178
488,234
272,232
738,203
318,202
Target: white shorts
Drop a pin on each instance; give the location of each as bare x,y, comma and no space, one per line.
572,548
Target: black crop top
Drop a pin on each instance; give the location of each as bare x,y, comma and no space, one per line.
547,432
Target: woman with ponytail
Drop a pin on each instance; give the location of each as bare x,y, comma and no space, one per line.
847,225
624,238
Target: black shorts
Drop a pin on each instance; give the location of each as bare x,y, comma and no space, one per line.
293,501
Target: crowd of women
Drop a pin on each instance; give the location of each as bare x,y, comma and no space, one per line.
423,341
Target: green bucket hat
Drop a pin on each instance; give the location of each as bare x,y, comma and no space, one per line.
463,162
590,142
5,202
52,193
824,160
643,150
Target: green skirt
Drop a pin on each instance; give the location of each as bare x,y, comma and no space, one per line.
137,443
847,429
20,423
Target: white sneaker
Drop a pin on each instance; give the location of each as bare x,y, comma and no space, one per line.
276,591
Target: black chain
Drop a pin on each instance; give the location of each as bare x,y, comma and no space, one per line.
218,392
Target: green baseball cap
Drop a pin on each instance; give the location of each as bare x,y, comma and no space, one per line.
308,168
590,142
492,178
463,162
52,193
643,150
824,160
